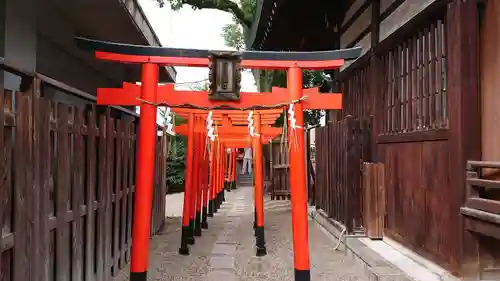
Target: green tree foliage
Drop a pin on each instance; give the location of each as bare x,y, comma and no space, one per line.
242,16
233,36
309,79
176,164
201,86
235,33
176,158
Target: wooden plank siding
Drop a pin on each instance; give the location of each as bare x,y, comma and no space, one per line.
419,92
67,188
414,125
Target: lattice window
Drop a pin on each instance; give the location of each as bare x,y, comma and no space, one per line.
355,90
414,82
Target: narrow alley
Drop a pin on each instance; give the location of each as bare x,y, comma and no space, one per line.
226,249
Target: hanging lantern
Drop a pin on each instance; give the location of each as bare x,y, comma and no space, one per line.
224,76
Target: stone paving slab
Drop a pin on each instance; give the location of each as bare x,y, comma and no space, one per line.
222,262
220,275
226,251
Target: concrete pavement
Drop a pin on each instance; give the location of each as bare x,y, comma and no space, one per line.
226,251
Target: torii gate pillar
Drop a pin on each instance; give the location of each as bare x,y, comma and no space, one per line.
298,181
260,241
145,174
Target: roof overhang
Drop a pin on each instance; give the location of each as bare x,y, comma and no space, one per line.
283,24
144,26
117,20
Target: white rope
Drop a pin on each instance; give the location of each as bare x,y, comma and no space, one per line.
168,122
210,127
340,239
251,127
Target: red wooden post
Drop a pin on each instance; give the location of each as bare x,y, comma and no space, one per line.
206,182
233,175
211,205
145,174
194,182
259,189
198,174
186,229
228,155
216,177
226,165
234,168
221,175
230,168
298,180
220,179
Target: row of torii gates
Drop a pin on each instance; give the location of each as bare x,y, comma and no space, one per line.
206,168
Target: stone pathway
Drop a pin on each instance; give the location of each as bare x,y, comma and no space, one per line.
226,251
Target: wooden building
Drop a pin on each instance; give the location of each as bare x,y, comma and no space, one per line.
67,165
424,99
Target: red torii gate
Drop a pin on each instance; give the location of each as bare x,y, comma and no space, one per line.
227,136
150,94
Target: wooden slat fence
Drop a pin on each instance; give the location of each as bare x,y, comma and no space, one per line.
482,207
280,169
481,215
310,169
338,172
374,199
67,189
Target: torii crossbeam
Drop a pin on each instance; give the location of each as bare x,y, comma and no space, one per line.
150,94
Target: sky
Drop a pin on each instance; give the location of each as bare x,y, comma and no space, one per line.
192,29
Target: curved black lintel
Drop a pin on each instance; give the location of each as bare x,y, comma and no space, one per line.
140,50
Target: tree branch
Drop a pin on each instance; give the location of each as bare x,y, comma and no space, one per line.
222,5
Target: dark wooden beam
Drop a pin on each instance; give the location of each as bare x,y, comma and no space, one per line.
20,40
2,29
355,16
463,101
150,51
435,10
375,95
391,9
346,5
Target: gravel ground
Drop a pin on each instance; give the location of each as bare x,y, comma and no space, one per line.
226,251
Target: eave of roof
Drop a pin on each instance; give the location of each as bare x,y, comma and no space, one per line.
144,26
273,14
264,15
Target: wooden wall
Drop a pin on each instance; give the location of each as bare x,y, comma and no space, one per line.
67,187
390,15
355,27
421,89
